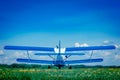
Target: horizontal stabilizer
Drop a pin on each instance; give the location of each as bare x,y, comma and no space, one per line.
45,54
90,48
34,61
74,54
60,54
84,61
28,48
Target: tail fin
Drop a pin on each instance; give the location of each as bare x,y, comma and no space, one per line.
59,47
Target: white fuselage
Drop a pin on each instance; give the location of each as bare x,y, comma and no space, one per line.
59,61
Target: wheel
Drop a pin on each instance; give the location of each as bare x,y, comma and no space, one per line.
70,67
59,67
49,67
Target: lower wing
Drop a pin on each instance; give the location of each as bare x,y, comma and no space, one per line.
84,61
34,61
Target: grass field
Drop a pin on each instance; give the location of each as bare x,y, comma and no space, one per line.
60,74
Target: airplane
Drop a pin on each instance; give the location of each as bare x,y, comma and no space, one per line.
57,54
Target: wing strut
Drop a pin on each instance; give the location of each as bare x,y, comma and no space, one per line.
91,54
51,57
28,55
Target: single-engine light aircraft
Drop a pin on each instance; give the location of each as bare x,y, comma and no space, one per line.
57,54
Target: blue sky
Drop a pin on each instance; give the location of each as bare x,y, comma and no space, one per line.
44,22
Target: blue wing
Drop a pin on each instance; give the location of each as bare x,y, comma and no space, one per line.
90,48
60,54
84,61
39,54
29,48
34,61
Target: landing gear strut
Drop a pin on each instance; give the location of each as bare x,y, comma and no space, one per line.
59,67
49,67
70,67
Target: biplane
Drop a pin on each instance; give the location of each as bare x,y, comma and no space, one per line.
57,54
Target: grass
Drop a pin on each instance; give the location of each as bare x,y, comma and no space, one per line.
62,74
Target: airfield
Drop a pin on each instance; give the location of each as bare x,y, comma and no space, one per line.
59,74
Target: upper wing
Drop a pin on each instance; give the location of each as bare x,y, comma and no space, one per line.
90,48
84,61
34,61
29,48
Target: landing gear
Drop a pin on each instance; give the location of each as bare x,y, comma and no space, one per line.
70,67
59,67
49,67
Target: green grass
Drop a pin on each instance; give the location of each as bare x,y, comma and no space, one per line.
60,74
